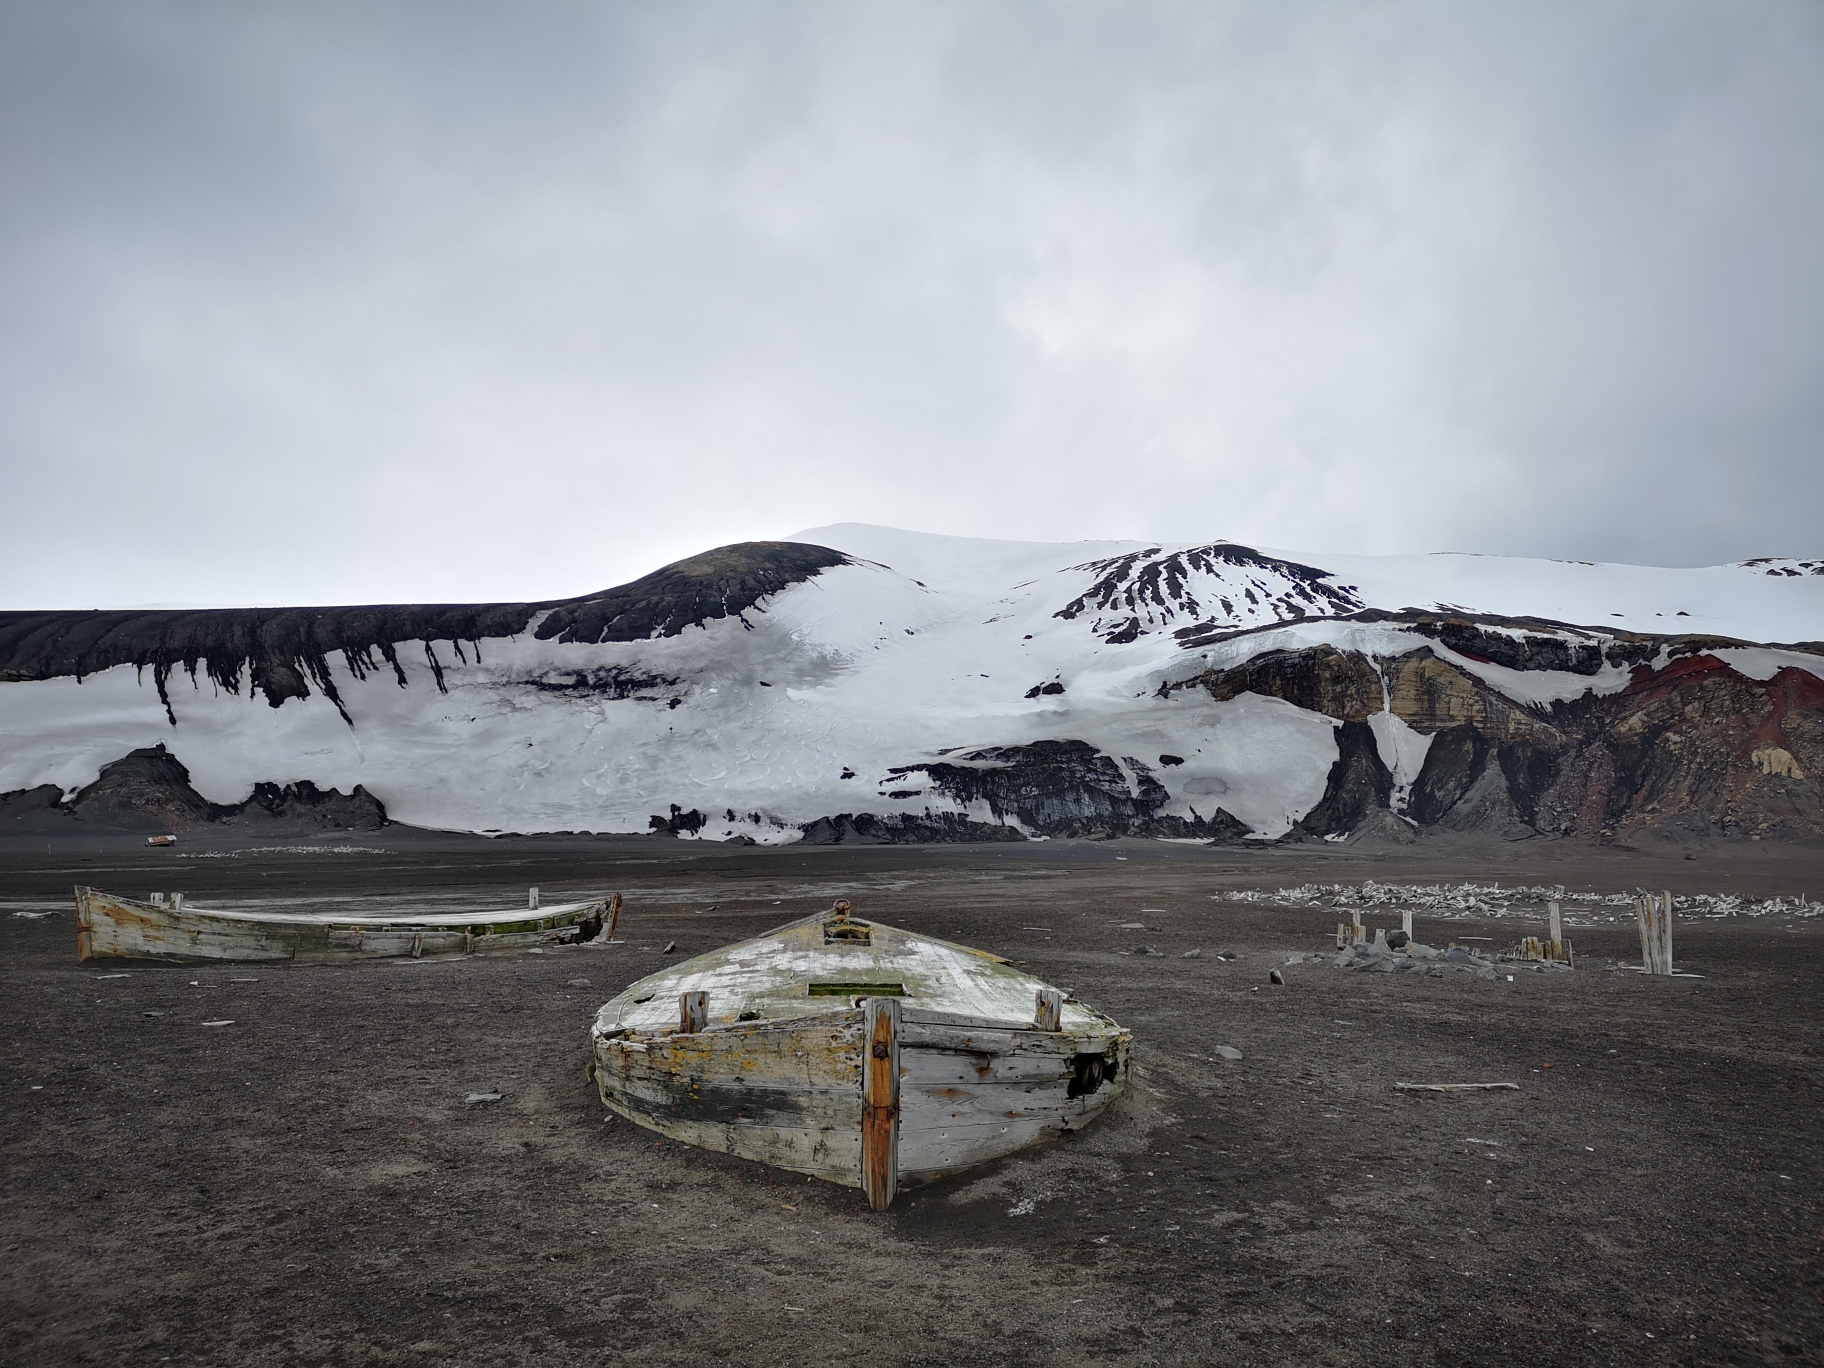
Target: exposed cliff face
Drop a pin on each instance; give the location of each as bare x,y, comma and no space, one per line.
1693,748
1343,685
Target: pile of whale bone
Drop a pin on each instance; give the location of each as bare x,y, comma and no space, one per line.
1458,902
1378,957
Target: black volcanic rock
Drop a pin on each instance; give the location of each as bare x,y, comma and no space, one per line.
1458,756
1061,788
1152,581
33,811
722,583
930,828
305,807
1359,785
145,790
149,790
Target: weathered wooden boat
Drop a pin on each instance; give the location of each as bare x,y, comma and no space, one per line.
166,928
856,1053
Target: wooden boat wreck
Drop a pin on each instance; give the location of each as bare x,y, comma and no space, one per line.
167,928
856,1053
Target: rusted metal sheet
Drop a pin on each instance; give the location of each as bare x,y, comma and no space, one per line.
109,926
855,1052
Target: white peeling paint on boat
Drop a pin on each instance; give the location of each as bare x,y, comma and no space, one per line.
774,1073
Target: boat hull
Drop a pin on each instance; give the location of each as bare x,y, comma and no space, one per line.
789,1092
110,927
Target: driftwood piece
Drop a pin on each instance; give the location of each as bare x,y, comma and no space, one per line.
1454,1087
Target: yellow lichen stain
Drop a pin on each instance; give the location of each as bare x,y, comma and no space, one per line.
1774,760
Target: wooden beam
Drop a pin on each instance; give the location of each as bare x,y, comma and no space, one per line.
531,900
880,1103
693,1012
1048,1010
614,914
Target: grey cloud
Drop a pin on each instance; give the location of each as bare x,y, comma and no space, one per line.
332,303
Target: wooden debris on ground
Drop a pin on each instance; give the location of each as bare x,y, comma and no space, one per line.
1455,1087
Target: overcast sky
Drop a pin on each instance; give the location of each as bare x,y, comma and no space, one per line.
314,303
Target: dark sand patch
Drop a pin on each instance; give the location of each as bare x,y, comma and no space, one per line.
307,1186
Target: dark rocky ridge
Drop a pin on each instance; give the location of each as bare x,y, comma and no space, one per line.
1069,788
1158,586
149,790
283,652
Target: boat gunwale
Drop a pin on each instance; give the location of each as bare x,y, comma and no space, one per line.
519,919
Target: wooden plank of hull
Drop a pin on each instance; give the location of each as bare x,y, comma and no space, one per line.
949,1123
782,1094
790,1093
112,927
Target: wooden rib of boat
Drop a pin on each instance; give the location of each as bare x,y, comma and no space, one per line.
163,928
856,1053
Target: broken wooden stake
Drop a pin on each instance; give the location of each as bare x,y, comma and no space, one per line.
531,900
1556,946
614,914
693,1012
880,1103
1654,918
1406,923
1048,1010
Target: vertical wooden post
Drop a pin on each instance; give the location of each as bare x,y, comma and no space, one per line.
1342,935
1555,920
693,1012
614,914
531,900
1646,943
1048,1010
1355,924
1406,922
880,1102
1667,950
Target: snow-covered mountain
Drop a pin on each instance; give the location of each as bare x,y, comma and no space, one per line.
860,683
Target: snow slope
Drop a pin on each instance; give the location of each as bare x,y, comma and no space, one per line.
827,696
